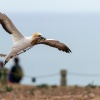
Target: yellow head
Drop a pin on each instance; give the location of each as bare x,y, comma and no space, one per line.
36,34
36,37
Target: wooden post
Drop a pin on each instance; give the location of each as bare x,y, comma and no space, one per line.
63,78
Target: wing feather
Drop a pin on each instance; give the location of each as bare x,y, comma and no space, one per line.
10,28
56,44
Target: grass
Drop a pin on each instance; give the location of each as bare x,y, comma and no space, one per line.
42,86
9,88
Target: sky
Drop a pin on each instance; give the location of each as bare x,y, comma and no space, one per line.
59,6
73,22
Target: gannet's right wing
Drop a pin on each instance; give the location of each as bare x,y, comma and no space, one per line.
56,44
10,28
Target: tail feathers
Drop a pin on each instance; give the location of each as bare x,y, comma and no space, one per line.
2,55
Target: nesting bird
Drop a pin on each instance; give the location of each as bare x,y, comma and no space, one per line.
22,43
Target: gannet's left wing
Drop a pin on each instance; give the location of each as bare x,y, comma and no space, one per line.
10,28
56,44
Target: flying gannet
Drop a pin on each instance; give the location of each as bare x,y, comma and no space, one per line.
22,43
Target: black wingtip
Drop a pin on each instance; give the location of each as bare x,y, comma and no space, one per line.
68,51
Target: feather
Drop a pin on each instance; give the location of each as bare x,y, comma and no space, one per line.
56,44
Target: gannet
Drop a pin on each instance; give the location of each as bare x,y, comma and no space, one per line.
22,43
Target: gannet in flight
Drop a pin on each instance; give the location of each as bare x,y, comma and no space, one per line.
22,43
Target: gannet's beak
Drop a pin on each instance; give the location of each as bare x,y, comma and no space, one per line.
42,38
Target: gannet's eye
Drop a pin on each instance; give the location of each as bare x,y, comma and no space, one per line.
39,35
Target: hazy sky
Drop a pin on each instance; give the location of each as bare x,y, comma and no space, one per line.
50,6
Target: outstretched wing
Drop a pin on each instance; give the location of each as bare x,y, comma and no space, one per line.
10,28
55,44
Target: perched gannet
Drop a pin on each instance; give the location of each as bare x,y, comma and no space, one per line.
22,43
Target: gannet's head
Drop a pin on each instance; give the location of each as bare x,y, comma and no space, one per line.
37,35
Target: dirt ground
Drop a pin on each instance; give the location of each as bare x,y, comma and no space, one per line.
23,92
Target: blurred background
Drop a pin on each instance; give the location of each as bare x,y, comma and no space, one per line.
73,22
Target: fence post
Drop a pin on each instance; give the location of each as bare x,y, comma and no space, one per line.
63,81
